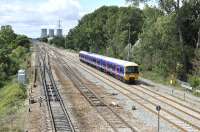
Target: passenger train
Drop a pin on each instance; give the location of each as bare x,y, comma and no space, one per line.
123,70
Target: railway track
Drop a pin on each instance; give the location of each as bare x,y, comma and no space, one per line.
109,115
182,123
60,120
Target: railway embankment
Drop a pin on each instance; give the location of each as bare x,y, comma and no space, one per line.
12,101
14,55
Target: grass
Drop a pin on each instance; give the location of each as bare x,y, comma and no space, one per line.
12,98
155,77
158,78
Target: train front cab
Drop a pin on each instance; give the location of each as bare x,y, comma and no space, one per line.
131,73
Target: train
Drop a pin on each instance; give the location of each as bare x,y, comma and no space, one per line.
123,70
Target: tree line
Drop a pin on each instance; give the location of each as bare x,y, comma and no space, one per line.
13,49
164,39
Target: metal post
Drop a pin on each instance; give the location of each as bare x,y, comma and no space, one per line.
184,94
158,120
65,41
158,108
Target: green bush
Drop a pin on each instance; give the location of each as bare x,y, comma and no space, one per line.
11,98
194,81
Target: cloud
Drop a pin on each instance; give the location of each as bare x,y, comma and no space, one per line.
26,17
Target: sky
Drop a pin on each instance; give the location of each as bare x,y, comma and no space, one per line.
29,16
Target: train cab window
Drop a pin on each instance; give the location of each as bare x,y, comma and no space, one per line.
132,69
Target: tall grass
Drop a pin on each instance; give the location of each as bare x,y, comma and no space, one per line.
11,98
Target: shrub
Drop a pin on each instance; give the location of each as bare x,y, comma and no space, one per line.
194,81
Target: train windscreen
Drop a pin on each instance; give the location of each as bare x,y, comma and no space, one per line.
132,69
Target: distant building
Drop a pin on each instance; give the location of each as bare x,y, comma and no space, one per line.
59,33
3,27
51,32
6,27
43,33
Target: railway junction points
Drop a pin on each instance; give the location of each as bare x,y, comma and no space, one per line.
70,96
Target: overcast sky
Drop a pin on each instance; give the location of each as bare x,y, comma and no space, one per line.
29,16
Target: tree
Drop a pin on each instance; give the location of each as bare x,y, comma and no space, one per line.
22,40
190,22
7,34
106,29
168,6
58,41
13,47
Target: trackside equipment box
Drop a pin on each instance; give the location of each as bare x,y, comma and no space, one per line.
21,77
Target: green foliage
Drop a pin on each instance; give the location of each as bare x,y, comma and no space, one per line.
105,31
196,63
58,41
7,35
11,97
13,53
158,43
190,22
22,40
172,32
44,39
165,40
194,81
13,50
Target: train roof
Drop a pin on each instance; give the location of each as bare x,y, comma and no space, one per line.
112,60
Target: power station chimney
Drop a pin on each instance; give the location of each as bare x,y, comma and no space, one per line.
43,33
51,32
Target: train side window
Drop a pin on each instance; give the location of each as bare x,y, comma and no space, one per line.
110,65
118,69
113,66
121,70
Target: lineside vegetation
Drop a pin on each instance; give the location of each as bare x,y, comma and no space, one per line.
14,51
165,40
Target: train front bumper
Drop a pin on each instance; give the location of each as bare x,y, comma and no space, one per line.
131,77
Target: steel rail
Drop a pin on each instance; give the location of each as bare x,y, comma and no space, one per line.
45,71
143,105
77,80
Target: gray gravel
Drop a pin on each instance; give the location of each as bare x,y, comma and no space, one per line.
193,100
148,118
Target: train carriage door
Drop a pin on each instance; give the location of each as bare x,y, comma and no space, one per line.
118,71
106,66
